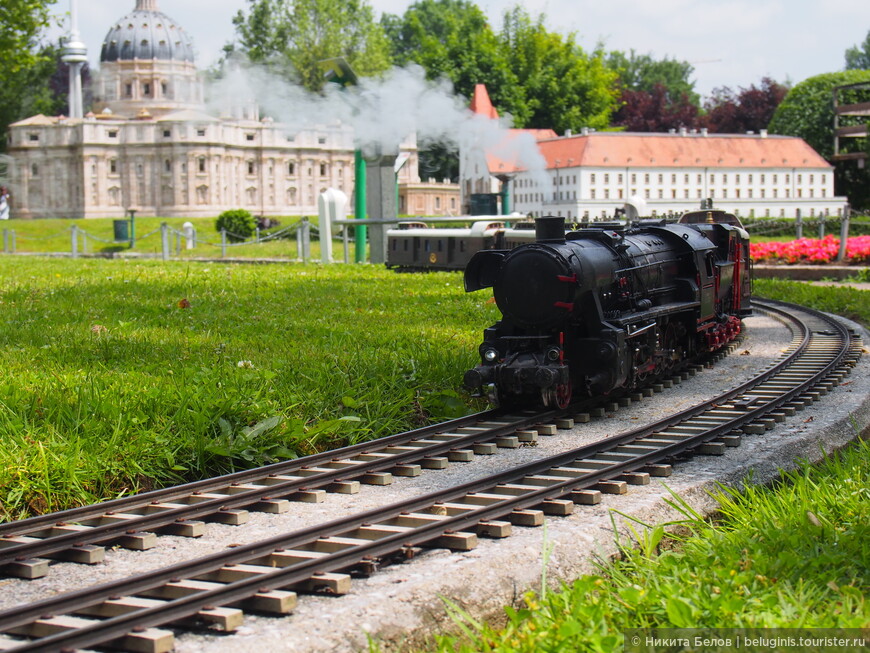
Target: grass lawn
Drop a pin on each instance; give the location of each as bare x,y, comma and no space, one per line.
121,376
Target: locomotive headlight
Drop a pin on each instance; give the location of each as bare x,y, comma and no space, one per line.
554,354
490,355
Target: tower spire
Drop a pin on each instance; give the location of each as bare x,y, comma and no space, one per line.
146,5
75,54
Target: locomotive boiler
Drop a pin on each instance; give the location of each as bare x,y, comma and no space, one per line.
610,306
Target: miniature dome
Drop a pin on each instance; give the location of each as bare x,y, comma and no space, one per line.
147,33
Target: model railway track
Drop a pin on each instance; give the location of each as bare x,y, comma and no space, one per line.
80,535
265,576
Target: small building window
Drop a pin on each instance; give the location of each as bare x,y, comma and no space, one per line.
128,90
322,140
250,137
201,163
34,169
200,132
291,168
167,133
146,90
34,137
113,166
167,165
113,133
251,167
323,169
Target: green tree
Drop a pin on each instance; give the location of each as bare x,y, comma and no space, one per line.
858,57
646,82
808,112
26,65
565,88
453,39
640,72
20,31
301,33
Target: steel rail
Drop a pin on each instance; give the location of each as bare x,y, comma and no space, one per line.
116,627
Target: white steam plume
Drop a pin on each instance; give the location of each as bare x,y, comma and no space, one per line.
382,113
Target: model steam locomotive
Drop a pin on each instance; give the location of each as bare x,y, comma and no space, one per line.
608,306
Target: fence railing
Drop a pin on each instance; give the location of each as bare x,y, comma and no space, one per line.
173,241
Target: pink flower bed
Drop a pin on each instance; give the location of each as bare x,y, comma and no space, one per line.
812,250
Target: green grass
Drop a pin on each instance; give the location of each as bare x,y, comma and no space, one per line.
795,555
848,302
45,236
110,386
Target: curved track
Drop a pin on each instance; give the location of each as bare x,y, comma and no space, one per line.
265,576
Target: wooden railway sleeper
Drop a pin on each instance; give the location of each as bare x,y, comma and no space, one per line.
149,640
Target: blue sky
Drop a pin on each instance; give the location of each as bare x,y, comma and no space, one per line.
729,42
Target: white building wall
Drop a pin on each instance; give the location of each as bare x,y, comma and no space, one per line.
760,192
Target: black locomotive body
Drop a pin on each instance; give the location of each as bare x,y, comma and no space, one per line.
607,307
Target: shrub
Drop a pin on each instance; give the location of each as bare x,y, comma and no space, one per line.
239,224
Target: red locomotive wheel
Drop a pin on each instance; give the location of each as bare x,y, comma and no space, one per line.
560,396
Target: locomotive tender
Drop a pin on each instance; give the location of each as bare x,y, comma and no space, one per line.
609,306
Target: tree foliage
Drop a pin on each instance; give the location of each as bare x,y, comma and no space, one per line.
656,95
808,112
858,56
808,109
541,78
20,30
749,109
564,87
453,39
27,65
301,33
640,72
655,111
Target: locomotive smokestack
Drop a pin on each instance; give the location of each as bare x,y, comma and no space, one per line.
550,229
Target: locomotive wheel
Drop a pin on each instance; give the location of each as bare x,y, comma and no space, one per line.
669,346
558,396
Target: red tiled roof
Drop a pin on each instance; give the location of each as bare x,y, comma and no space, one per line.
636,150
